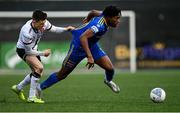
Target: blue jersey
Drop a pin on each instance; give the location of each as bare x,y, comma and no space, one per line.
98,25
76,53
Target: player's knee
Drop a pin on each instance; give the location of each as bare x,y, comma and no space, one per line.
61,76
37,75
39,69
109,67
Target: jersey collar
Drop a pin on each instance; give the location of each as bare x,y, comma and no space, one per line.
105,21
35,30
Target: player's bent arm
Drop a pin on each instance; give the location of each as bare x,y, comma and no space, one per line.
84,41
30,51
45,53
28,44
91,14
34,52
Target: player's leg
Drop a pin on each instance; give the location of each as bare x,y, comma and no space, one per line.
18,89
24,82
105,63
37,67
70,62
56,77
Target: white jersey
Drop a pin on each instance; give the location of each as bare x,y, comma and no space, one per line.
30,37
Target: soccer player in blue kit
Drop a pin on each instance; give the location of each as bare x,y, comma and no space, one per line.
85,45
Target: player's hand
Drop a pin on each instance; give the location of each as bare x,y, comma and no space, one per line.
69,28
47,52
90,63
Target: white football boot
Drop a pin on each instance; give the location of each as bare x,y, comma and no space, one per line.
115,88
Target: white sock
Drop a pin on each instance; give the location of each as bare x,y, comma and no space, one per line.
24,82
38,87
33,86
38,91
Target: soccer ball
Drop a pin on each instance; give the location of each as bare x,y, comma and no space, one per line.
157,95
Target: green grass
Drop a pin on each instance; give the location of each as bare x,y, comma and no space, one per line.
80,93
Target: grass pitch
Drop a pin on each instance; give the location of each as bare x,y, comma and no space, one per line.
88,93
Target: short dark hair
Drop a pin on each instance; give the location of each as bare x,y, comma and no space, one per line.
111,11
39,15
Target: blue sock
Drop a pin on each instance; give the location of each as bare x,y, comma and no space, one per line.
109,75
50,81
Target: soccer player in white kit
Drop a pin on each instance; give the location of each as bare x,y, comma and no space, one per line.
27,49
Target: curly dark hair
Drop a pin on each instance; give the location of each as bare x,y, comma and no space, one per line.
111,11
39,15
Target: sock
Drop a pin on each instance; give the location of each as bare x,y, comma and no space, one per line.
24,82
33,86
50,81
38,91
109,75
39,87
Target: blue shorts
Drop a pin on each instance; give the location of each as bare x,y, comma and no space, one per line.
76,54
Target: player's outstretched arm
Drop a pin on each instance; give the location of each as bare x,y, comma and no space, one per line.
69,28
91,14
28,45
61,29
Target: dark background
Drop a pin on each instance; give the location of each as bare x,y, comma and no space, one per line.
156,20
